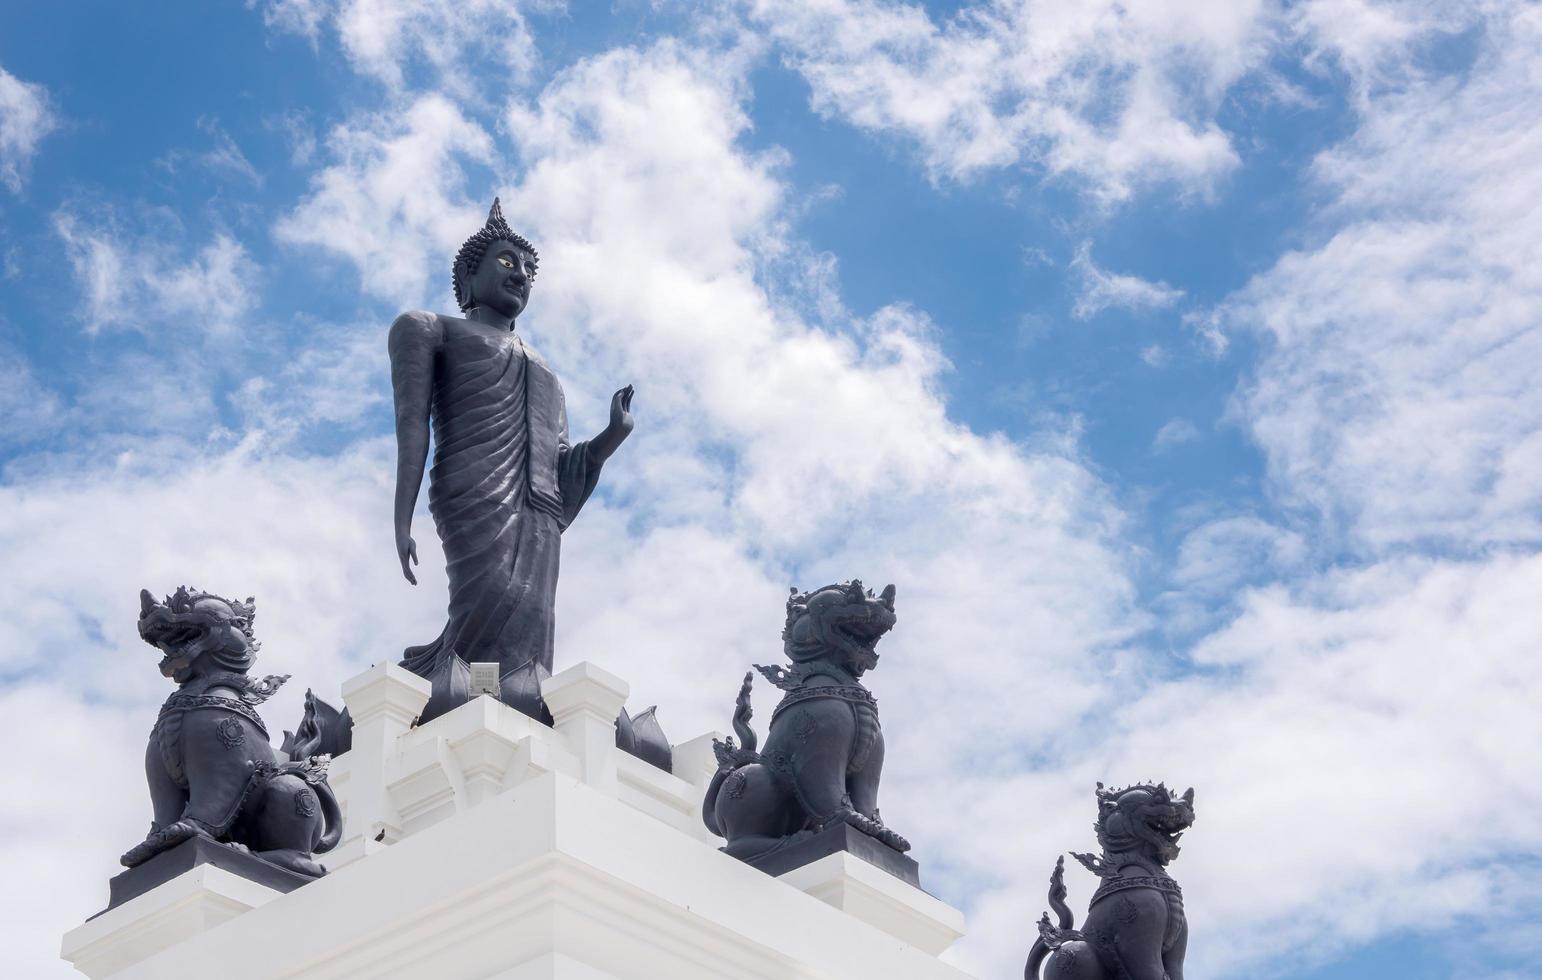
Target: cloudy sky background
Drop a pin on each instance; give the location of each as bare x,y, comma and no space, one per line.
1176,360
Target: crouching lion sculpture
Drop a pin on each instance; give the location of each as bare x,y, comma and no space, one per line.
211,769
824,751
1135,928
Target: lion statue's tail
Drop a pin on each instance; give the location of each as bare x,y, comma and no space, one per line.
730,757
333,815
743,714
1041,945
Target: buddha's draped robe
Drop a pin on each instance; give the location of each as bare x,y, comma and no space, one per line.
504,485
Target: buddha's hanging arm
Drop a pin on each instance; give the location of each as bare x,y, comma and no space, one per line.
413,342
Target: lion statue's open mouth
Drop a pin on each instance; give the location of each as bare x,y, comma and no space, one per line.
1144,819
1165,824
192,626
845,621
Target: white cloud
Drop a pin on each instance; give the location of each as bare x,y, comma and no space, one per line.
388,39
168,324
303,17
1174,432
60,835
1362,756
1378,43
1099,290
392,200
1398,392
338,380
1209,325
1219,556
298,133
1115,95
1216,562
29,410
1412,685
140,282
1394,397
226,156
25,118
224,159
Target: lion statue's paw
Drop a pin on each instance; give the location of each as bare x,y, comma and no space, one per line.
872,826
162,840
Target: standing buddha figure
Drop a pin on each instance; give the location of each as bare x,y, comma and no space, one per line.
506,482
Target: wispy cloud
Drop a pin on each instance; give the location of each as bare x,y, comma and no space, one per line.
387,39
298,133
226,156
29,410
224,159
391,199
1398,394
1219,556
145,282
25,118
1097,289
1114,96
1174,432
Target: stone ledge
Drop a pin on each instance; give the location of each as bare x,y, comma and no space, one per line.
189,854
834,840
881,900
398,781
164,917
556,870
385,690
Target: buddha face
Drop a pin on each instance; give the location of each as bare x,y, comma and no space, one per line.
502,280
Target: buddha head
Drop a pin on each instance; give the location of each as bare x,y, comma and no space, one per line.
494,268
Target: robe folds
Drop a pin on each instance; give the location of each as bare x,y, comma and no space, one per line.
505,483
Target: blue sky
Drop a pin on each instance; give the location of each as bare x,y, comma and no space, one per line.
1175,361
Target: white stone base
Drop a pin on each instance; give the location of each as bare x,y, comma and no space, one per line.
186,906
517,851
881,900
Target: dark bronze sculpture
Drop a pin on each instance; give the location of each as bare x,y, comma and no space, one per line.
824,750
1135,928
213,774
505,482
323,730
644,737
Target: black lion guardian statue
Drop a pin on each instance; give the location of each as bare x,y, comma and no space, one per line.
824,750
212,771
1135,928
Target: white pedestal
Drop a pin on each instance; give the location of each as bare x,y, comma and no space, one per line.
508,849
881,900
186,906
